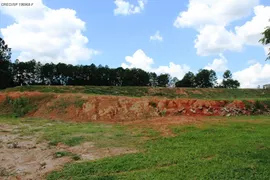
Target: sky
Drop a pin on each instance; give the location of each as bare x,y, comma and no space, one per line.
162,36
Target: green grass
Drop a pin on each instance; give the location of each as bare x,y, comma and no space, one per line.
72,134
234,148
21,106
215,94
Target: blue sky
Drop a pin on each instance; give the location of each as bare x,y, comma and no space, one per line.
117,36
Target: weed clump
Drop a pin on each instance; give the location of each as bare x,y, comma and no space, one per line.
153,104
19,106
61,154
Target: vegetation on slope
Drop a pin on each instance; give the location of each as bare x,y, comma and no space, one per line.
197,93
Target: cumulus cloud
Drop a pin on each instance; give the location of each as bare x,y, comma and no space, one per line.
175,70
212,12
250,32
254,75
140,60
213,20
218,65
125,8
156,37
45,34
216,39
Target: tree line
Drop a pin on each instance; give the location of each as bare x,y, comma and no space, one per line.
35,73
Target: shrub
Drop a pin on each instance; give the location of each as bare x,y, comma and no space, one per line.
153,104
19,106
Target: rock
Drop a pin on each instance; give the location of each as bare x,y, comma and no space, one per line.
13,145
43,165
200,108
228,115
193,111
181,110
3,172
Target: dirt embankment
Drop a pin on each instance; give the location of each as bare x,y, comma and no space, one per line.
85,108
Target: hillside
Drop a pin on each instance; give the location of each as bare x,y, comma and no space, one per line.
81,107
191,93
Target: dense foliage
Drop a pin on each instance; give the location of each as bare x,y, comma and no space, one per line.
266,38
35,73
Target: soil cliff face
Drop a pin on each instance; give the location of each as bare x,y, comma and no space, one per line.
86,108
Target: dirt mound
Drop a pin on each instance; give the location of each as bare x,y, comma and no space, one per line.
85,108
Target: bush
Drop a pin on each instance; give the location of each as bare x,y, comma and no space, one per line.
153,104
19,107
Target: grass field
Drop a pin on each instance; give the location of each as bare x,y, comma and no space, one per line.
238,148
230,148
219,94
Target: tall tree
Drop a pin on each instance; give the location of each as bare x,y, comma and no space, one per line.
266,39
153,79
5,65
173,81
163,80
228,82
187,81
206,79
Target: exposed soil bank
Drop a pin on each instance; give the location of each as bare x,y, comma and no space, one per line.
85,108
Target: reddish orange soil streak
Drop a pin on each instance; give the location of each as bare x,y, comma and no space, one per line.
120,109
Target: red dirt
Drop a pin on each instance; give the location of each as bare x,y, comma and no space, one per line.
85,108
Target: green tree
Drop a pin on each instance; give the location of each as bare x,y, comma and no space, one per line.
228,82
173,81
187,81
206,79
266,38
5,65
163,80
153,79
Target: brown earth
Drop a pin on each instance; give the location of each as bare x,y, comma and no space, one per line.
28,159
87,108
24,158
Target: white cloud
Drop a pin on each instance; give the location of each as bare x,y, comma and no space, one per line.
46,34
125,8
213,18
138,60
250,32
175,70
218,65
156,37
142,61
215,40
213,12
253,76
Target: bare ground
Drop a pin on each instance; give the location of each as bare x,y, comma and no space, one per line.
22,157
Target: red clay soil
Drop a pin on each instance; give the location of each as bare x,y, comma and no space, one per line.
86,108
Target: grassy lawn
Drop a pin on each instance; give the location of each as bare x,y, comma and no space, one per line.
214,94
234,148
71,134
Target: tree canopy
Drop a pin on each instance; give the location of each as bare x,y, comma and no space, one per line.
206,79
5,65
34,73
266,38
228,82
187,81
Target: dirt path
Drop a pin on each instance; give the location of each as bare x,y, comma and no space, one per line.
22,157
